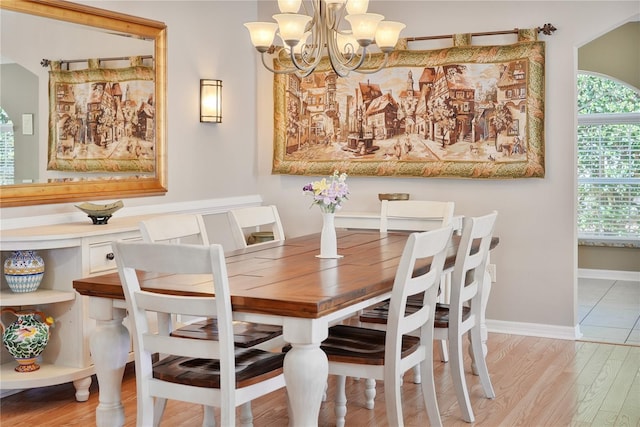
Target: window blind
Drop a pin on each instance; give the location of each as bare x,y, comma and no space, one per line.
609,175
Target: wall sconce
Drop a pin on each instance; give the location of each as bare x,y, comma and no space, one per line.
210,101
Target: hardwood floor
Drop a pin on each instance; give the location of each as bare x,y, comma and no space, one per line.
538,382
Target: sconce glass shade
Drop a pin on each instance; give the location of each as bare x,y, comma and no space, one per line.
387,35
210,101
291,27
262,34
364,26
289,6
357,6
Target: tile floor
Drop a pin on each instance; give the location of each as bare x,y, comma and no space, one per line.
609,310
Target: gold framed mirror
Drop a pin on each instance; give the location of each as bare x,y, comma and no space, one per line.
107,186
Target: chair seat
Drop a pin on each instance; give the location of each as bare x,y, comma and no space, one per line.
352,344
245,334
252,366
380,313
441,318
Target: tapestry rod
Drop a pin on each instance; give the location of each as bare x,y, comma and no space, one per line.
547,29
47,62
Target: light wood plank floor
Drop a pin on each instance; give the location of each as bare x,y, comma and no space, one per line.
538,382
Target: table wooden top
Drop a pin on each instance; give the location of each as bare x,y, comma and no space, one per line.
286,278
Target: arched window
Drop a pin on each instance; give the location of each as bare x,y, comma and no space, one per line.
7,158
608,160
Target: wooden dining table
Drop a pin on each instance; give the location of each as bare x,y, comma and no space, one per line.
280,283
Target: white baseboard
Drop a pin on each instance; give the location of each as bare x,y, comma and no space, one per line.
534,329
209,206
586,273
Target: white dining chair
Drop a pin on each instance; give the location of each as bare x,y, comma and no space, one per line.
190,228
178,228
386,355
213,373
255,219
419,215
462,316
422,215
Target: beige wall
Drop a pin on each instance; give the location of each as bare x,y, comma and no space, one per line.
603,258
616,54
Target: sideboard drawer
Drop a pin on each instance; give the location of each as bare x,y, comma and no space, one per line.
101,258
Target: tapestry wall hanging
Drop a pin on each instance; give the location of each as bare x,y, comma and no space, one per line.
466,111
102,119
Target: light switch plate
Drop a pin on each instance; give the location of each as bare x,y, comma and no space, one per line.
27,124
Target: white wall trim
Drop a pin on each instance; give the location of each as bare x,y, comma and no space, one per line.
534,329
209,206
586,273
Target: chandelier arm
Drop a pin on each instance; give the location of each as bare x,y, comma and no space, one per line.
361,59
384,64
318,43
273,70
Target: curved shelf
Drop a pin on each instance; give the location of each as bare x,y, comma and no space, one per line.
47,375
40,296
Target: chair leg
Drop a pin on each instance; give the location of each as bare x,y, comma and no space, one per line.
459,381
158,409
341,401
417,377
444,351
209,416
480,361
429,392
369,392
393,400
246,416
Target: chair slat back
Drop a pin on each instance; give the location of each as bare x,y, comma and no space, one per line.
255,218
433,214
419,271
133,257
470,266
182,228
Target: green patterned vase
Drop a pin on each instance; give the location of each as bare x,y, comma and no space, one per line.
26,338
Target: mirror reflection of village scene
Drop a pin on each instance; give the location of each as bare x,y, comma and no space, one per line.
456,112
108,121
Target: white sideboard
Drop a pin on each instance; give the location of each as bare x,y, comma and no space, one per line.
371,220
70,251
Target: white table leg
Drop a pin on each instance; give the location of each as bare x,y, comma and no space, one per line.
305,370
109,348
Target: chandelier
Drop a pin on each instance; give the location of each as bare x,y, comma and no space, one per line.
305,36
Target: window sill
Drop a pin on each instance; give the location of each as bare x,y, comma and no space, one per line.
609,242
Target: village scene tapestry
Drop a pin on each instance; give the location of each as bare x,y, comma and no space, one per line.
102,120
471,112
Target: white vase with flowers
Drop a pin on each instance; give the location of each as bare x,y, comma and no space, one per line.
328,194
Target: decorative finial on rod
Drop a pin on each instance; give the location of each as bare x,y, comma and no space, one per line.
547,29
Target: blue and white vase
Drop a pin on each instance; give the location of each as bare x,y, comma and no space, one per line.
24,271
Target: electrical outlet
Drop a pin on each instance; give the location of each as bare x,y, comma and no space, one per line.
491,269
